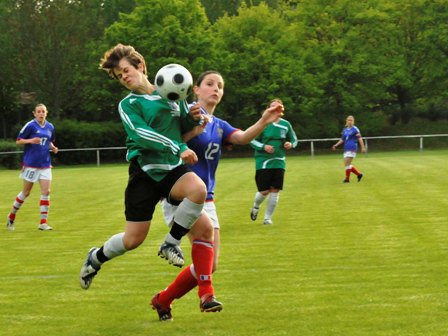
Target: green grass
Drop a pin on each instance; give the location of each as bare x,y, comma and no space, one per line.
367,258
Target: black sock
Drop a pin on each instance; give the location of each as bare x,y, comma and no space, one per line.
101,256
178,231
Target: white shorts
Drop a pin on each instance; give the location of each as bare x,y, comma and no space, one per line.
169,210
35,174
351,154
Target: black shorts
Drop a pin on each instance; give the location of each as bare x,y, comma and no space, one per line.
143,193
267,179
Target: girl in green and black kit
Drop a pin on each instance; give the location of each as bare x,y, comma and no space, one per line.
270,151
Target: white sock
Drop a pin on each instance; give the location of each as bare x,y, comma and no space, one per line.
259,198
187,213
272,204
114,247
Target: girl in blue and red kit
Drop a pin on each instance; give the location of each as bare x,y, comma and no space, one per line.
38,138
351,136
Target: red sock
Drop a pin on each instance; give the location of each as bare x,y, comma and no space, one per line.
184,282
202,255
347,174
356,171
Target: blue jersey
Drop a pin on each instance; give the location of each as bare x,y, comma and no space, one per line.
350,137
37,155
208,148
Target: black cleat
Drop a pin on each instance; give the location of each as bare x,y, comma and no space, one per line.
254,213
360,177
209,304
163,311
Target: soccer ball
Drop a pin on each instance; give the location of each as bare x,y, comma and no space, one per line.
173,82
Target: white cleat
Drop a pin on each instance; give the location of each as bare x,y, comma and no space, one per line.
45,227
267,222
10,224
88,271
172,253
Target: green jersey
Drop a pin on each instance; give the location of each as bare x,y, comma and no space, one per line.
275,135
154,128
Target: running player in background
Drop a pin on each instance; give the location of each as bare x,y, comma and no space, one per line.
38,138
351,136
157,156
270,163
207,144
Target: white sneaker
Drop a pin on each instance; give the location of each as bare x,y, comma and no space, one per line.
44,227
9,224
267,222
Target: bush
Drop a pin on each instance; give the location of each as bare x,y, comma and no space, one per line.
72,134
13,160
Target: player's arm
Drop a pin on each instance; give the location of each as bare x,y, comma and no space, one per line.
340,141
145,136
361,142
32,141
53,148
292,138
190,117
244,137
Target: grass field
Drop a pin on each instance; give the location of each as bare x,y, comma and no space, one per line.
367,258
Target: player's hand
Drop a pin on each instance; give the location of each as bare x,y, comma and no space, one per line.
364,150
287,145
269,149
35,141
189,157
195,112
272,113
55,150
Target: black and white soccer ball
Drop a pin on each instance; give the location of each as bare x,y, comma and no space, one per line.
173,82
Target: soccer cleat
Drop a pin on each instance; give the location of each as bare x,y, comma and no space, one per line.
346,181
44,227
267,222
172,253
209,304
9,224
254,213
88,270
163,311
360,177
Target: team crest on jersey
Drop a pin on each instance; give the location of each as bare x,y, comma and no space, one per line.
175,110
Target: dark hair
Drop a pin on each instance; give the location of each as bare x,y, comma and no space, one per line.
114,55
204,74
40,104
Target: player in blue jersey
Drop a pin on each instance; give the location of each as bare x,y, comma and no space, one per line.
351,137
158,158
38,138
207,143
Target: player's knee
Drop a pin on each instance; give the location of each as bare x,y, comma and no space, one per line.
132,242
203,229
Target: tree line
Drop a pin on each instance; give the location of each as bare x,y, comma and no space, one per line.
383,61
